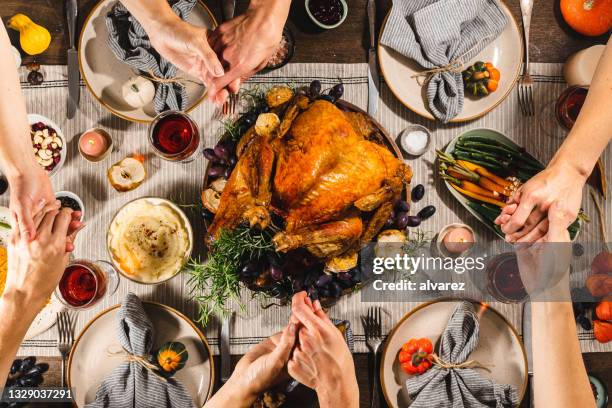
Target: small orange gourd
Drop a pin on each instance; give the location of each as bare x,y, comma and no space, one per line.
588,17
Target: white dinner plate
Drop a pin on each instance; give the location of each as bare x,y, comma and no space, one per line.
89,363
505,52
46,318
499,348
104,74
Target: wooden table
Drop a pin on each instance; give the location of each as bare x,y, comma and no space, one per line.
552,41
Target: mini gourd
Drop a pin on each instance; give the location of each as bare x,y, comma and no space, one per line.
171,357
34,38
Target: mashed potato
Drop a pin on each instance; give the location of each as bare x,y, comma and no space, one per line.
149,242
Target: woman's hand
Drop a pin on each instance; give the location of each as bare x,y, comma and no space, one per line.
322,360
544,264
31,195
36,267
246,43
257,371
524,219
186,46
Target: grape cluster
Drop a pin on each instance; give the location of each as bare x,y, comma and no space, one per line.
399,217
24,373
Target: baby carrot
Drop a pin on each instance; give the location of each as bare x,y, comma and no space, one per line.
491,186
475,188
478,196
484,172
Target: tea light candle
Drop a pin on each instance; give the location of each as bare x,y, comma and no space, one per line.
94,144
458,239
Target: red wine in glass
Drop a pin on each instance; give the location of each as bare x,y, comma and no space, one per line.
85,282
174,136
569,104
504,279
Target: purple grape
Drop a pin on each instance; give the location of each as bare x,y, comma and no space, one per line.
402,220
402,206
337,91
311,278
227,173
315,88
344,276
222,152
216,171
390,223
323,280
426,212
276,273
418,192
414,221
210,155
313,293
324,292
297,285
335,289
232,161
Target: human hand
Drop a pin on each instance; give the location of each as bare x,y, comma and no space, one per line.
322,360
260,368
544,264
185,46
246,43
524,218
36,267
31,195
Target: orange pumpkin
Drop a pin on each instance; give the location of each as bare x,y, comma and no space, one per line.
602,331
603,311
588,17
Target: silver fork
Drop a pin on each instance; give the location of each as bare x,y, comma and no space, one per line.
65,337
525,86
229,106
372,325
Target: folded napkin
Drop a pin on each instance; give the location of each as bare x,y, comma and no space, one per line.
459,387
130,44
131,385
436,33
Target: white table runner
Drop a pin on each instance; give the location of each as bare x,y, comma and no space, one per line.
182,183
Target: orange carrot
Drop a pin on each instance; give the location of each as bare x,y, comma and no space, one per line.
475,188
484,172
490,185
457,175
478,196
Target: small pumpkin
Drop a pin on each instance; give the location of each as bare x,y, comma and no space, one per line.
34,38
588,17
171,357
602,331
603,311
480,79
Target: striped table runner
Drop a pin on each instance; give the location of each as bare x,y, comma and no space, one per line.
182,183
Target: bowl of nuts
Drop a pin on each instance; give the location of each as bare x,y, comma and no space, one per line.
48,143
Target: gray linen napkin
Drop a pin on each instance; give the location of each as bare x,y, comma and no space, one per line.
130,385
459,387
434,33
130,44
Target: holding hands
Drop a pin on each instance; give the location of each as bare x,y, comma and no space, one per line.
310,349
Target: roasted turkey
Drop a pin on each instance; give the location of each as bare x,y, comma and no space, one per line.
321,170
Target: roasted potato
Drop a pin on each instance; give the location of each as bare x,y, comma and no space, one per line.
278,95
266,124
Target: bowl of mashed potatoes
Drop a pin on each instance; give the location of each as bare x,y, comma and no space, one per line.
150,240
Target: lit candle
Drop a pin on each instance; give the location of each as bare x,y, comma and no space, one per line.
94,144
458,240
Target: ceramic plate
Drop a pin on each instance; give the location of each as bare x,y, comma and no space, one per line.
505,52
46,318
104,74
499,348
89,364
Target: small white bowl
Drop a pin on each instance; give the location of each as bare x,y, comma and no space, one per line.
325,26
35,118
75,197
405,135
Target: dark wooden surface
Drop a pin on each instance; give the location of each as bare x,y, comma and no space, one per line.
552,39
598,364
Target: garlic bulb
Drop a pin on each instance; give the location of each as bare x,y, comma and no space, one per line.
138,91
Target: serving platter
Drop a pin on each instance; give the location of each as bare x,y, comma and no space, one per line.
499,347
89,362
496,136
46,317
104,74
505,52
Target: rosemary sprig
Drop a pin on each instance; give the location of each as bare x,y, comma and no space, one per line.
215,283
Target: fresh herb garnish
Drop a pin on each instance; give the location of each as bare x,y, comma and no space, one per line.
217,281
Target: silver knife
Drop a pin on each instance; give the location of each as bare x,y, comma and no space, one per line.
224,345
372,67
74,76
527,343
